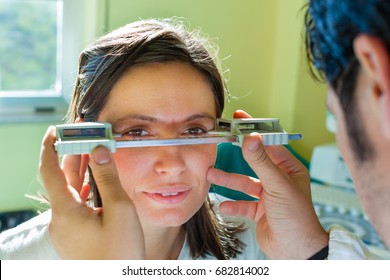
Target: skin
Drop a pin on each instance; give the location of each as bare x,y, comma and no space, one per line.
148,102
372,93
79,232
287,226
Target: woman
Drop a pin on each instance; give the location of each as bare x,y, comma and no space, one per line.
150,80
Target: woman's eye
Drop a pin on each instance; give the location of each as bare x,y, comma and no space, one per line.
195,131
136,133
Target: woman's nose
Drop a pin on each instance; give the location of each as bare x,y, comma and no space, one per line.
169,160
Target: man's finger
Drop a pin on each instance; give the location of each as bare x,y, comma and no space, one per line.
75,167
107,178
255,154
249,209
52,176
119,211
239,114
250,186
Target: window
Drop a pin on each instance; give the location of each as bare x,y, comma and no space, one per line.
36,71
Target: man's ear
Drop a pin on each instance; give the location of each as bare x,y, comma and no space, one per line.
374,59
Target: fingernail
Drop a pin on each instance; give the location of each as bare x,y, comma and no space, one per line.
254,144
101,155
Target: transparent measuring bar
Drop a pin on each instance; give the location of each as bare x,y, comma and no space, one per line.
82,138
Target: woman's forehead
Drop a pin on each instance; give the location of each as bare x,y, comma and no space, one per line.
161,90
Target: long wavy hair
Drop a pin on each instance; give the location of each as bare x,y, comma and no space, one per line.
147,42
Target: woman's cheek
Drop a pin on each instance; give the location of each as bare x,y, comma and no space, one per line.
128,167
205,157
134,164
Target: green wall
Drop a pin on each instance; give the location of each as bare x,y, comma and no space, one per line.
243,30
261,47
19,150
262,55
295,98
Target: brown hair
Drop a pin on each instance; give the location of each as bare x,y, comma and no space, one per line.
145,42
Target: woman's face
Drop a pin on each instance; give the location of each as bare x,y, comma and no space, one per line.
161,101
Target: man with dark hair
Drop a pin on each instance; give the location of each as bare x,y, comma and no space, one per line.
348,42
348,45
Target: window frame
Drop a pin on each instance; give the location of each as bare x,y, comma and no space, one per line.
52,107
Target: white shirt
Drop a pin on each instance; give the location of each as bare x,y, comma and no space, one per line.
28,241
344,245
31,240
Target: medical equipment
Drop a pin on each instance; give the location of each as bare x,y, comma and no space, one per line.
335,199
82,138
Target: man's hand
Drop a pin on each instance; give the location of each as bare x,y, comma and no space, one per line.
81,232
287,225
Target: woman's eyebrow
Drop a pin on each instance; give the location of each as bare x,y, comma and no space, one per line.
154,119
138,117
200,116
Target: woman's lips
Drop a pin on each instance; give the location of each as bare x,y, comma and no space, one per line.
169,195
